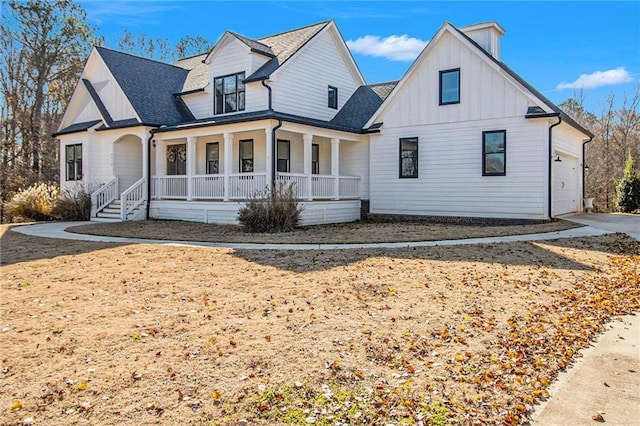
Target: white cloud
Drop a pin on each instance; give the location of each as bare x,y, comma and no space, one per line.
598,78
394,47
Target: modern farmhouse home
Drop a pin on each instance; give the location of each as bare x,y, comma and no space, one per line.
459,135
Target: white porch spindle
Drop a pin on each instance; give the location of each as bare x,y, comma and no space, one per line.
335,167
269,156
227,167
160,164
308,191
191,165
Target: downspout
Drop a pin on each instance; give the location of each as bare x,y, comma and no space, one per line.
151,134
550,162
274,141
584,142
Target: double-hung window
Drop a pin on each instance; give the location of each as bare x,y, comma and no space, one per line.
246,156
229,93
213,158
315,159
332,97
409,157
450,87
177,159
284,156
494,153
73,159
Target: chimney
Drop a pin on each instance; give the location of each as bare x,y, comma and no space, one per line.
487,35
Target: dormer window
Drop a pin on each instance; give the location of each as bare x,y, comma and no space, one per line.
229,93
333,97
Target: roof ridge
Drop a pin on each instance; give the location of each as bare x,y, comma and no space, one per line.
139,57
325,23
240,36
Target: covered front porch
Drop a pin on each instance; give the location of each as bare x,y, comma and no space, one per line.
235,163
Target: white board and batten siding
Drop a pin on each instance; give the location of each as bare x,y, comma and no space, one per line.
450,181
301,84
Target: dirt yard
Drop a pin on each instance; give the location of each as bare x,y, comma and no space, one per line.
355,232
149,334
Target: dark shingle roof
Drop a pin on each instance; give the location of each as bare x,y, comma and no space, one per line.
149,86
77,127
529,87
96,99
364,102
283,46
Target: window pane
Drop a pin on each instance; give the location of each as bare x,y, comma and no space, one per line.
247,166
241,101
240,78
230,84
449,86
230,102
283,149
69,152
70,170
493,142
212,167
213,151
494,164
78,151
409,157
332,97
218,85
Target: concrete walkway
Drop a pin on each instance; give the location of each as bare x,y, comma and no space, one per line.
58,230
617,222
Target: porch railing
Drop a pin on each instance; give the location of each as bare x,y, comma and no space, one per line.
104,196
245,185
174,187
132,198
208,187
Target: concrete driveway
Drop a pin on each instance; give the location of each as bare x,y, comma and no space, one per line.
616,222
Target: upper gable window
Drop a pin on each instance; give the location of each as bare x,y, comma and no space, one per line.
450,87
332,96
229,93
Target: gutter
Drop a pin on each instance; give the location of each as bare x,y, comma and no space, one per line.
550,163
584,143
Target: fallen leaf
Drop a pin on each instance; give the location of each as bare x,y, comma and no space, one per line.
16,405
598,417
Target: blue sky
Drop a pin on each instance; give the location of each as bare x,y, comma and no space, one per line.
558,47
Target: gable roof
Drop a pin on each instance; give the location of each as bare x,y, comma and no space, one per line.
198,75
364,102
149,86
526,86
104,113
284,46
556,109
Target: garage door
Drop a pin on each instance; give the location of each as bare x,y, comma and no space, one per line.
566,188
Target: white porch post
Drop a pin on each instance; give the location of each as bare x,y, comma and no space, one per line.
268,132
307,152
228,158
335,167
191,165
160,164
144,138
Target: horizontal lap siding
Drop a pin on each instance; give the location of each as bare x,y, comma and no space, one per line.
354,161
300,87
450,172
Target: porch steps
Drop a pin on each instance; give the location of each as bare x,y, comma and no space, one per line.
111,213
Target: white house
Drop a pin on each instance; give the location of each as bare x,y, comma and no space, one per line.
459,135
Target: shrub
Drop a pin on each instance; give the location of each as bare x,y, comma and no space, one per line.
34,203
628,188
272,211
73,205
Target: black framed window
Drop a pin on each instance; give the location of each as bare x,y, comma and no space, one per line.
494,153
177,159
284,156
213,158
229,93
409,157
73,159
332,97
315,159
246,156
450,87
